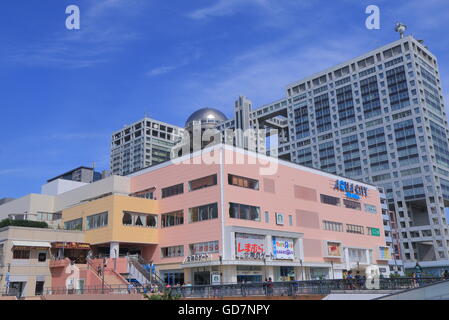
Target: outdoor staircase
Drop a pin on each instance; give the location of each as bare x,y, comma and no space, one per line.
143,275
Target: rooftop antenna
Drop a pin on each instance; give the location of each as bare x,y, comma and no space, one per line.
400,27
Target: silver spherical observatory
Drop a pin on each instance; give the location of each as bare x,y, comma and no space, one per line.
400,27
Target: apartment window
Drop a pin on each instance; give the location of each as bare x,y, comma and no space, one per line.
204,247
21,254
352,204
172,219
171,252
97,221
244,212
267,217
243,182
330,200
290,220
137,219
173,190
203,183
202,213
333,226
76,224
42,257
351,228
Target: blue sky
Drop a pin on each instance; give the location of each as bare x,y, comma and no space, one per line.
64,92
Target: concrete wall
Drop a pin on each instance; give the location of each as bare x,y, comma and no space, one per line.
60,186
30,204
113,184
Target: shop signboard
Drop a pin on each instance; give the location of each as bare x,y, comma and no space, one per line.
384,253
249,246
283,248
71,245
333,249
353,191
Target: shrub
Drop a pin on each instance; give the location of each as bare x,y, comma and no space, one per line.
23,223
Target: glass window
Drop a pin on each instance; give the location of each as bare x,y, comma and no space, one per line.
330,200
76,224
352,204
204,247
139,219
173,190
206,212
39,289
203,183
97,221
21,254
333,226
172,219
243,182
171,252
244,212
42,257
351,228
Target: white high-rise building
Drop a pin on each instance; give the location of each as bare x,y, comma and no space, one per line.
142,144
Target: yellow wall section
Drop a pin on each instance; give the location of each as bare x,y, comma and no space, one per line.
116,231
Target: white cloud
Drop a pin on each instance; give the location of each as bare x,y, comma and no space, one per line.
262,73
90,45
224,7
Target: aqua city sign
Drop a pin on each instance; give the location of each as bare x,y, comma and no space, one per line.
353,191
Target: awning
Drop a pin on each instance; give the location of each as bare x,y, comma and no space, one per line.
31,244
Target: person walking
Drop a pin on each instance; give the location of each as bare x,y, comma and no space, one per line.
270,287
349,279
358,279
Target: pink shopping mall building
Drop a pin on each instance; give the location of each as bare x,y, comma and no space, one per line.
227,215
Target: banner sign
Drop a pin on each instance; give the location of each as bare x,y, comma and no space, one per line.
249,246
283,249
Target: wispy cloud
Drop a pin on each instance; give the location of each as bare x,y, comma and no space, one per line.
262,72
94,43
7,172
224,7
76,136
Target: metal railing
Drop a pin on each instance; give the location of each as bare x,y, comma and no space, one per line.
293,288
